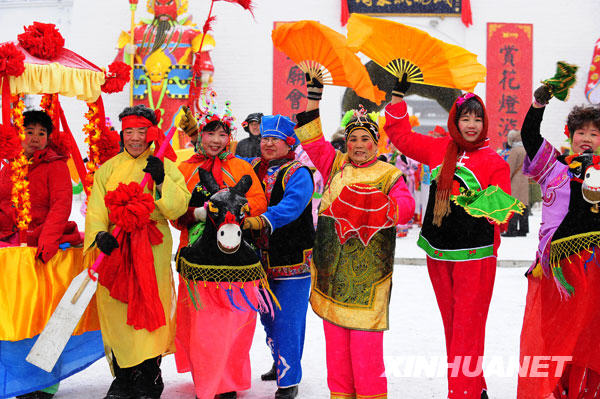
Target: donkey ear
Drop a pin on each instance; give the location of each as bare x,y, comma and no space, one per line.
243,185
208,181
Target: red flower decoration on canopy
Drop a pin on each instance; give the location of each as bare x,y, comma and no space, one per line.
108,145
42,40
11,60
129,207
117,77
361,211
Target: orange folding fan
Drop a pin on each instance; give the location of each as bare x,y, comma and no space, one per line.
403,49
321,51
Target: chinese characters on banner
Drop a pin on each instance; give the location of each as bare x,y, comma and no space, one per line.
419,7
289,85
509,74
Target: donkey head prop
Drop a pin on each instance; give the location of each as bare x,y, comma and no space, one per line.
222,242
584,214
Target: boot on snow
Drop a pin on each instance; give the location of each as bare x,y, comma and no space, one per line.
287,393
270,375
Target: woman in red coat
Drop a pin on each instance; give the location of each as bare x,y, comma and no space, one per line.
50,192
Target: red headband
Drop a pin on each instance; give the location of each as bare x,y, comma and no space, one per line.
153,133
135,121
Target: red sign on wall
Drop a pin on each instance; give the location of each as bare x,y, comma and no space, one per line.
289,85
509,75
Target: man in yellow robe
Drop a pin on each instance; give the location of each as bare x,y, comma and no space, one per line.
136,352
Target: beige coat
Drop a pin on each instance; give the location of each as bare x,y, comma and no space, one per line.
519,183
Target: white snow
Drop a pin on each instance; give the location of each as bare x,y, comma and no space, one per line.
414,340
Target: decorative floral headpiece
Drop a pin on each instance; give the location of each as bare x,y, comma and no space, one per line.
209,112
461,100
360,119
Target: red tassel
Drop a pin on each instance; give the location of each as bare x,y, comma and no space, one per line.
466,15
246,4
345,12
208,25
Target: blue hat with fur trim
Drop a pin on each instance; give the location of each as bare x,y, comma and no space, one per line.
279,126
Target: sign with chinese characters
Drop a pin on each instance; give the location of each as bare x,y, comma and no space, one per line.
509,75
403,7
289,85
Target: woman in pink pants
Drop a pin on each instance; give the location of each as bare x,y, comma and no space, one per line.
363,200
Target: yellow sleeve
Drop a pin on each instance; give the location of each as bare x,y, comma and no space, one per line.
175,197
96,219
124,38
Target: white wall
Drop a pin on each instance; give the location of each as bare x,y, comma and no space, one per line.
243,54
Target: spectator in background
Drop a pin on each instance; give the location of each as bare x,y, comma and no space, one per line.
338,140
519,184
250,146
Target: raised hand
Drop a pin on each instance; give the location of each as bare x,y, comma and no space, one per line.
401,86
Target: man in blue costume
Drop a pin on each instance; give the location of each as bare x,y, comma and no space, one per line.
285,235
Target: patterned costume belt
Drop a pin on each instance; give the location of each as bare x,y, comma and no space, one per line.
220,273
565,247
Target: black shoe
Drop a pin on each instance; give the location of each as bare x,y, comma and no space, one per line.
146,378
119,389
36,395
270,375
507,234
227,395
484,394
287,393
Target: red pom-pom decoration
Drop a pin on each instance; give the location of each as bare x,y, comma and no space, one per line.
42,40
566,132
10,144
289,140
129,207
11,60
117,77
108,145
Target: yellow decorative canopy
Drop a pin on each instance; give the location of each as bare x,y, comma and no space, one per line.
68,74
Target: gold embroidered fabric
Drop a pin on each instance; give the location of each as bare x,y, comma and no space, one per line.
310,132
351,283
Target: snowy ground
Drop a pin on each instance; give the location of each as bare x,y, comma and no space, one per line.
414,345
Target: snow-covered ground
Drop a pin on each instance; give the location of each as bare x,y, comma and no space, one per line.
414,345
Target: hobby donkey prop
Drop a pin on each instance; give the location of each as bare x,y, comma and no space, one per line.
223,276
567,323
220,254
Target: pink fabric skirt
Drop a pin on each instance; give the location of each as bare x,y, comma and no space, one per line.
213,341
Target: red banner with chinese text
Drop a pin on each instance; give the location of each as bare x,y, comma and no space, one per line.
289,85
509,75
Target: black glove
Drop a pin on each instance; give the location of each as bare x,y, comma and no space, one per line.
199,196
401,86
542,95
106,242
314,87
156,169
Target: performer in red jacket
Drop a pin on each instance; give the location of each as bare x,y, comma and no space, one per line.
50,192
461,249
